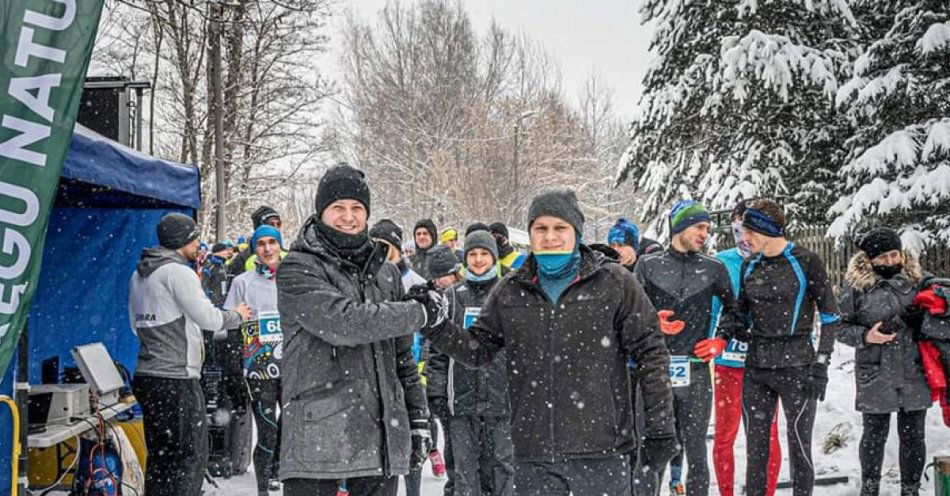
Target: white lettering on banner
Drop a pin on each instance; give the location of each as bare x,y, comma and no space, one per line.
26,49
30,133
50,22
9,306
13,239
21,88
29,199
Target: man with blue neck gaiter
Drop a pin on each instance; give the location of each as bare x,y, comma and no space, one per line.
568,320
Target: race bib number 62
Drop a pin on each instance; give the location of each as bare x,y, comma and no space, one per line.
679,371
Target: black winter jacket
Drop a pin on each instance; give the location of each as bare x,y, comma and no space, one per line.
350,385
481,391
567,362
686,283
889,376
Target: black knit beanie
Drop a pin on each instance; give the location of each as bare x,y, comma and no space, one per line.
442,261
559,203
342,182
262,215
878,241
499,229
176,230
477,226
387,231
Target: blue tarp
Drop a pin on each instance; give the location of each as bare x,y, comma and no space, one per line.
109,201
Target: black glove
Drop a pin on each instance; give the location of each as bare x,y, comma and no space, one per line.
656,452
421,443
892,325
817,381
436,307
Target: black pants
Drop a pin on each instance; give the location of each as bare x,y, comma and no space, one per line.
577,477
176,434
360,486
413,480
761,388
481,448
692,407
913,449
265,396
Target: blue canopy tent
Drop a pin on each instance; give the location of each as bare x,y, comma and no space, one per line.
108,202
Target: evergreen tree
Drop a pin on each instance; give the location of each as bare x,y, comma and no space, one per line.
738,103
898,167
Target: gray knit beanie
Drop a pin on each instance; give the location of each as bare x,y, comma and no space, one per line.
481,239
558,203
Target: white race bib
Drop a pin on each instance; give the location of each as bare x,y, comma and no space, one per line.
736,351
270,327
679,370
471,313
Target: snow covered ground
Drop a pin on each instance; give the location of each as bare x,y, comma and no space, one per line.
835,415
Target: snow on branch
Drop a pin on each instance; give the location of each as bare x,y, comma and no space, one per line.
773,60
936,38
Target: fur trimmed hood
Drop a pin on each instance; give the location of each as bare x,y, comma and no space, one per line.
861,275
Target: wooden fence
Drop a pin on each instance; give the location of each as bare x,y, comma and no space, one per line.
836,255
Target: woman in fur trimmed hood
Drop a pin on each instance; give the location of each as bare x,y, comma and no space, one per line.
880,284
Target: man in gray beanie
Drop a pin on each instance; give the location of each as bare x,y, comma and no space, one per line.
569,320
168,309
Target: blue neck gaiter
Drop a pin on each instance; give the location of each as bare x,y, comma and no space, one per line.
487,276
556,271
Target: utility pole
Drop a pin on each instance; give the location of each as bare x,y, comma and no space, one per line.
217,109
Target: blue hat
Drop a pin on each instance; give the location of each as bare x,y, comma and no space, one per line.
266,231
203,247
228,243
687,213
241,240
624,232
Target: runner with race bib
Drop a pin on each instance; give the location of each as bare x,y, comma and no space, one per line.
683,283
263,347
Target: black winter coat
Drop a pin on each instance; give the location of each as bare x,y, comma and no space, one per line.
889,376
350,385
481,391
687,283
567,362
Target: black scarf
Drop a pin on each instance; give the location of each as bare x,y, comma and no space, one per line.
354,248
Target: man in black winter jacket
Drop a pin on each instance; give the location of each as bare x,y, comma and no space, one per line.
476,399
424,236
684,282
568,320
354,406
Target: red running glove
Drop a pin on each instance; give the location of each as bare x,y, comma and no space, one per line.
670,328
708,349
932,302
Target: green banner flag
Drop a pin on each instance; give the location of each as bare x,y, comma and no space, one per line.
45,47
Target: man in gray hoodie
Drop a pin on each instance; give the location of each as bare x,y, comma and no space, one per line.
168,310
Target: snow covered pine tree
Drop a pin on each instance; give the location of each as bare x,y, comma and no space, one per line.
899,100
738,103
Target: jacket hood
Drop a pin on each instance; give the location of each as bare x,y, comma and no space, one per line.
861,275
433,232
155,257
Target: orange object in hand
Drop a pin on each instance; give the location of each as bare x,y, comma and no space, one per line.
708,349
668,327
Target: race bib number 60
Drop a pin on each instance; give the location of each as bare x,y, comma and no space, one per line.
679,371
270,327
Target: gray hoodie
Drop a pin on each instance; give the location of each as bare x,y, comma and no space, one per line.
168,310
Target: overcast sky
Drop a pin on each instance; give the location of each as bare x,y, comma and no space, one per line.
582,35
